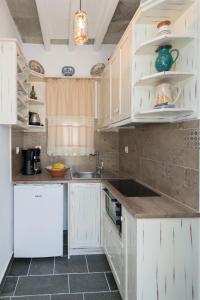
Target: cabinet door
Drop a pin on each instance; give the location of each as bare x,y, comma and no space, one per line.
8,70
104,105
125,75
38,220
113,249
84,214
115,86
129,234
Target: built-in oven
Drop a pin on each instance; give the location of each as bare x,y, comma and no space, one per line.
114,209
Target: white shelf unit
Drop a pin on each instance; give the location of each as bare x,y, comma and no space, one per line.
183,74
37,105
178,41
172,77
159,10
13,109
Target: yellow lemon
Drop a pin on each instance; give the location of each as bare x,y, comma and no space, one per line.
58,166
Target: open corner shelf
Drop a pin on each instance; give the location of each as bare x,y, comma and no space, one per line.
170,76
152,11
34,102
35,76
178,41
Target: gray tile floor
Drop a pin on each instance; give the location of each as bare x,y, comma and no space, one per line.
80,278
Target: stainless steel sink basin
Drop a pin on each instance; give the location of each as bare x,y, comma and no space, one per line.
85,175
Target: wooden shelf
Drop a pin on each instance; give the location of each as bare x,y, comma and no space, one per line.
170,76
153,11
177,41
34,102
164,111
35,76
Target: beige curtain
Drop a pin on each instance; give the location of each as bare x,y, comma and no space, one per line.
70,113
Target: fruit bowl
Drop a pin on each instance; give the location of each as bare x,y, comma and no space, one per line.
56,172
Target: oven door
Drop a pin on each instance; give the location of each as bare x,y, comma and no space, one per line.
113,208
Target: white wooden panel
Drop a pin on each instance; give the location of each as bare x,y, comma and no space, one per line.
167,259
38,220
84,203
8,71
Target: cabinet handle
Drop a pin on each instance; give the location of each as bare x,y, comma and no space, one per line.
38,196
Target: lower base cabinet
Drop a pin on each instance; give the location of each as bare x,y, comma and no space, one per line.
84,218
160,258
38,220
113,249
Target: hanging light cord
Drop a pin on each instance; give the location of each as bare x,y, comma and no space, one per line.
80,5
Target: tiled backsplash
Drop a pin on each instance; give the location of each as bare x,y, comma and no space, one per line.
165,157
105,143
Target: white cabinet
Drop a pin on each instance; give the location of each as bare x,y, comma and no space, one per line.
38,220
104,99
160,258
112,245
115,85
84,218
13,88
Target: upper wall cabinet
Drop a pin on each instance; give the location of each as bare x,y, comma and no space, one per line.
139,91
104,105
13,88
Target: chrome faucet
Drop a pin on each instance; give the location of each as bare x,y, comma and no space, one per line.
99,164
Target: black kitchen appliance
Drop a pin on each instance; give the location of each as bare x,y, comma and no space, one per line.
31,161
114,209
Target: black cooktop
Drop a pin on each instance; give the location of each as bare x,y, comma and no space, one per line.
131,188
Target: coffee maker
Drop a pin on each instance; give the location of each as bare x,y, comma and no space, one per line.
31,161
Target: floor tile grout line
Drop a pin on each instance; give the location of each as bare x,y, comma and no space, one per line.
29,267
68,284
57,274
107,281
54,264
15,287
73,293
87,264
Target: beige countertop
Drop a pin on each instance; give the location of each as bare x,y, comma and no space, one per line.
153,207
139,207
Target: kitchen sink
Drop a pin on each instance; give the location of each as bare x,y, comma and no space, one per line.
131,188
85,175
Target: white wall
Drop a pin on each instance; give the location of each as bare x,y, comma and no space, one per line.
7,30
82,58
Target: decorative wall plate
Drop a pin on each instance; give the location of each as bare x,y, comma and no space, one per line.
36,66
68,71
97,69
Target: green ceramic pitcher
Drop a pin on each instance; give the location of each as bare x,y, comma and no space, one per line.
165,59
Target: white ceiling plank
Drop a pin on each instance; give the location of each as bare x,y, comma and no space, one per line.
107,13
71,45
42,8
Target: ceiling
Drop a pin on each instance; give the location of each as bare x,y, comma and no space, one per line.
51,22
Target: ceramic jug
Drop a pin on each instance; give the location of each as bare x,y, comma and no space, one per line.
165,60
164,95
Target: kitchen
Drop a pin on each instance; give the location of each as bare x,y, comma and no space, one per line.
99,132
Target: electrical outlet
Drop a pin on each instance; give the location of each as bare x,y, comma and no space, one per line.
126,149
17,150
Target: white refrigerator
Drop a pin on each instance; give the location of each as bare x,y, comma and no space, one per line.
38,220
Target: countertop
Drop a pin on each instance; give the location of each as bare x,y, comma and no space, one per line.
153,207
138,207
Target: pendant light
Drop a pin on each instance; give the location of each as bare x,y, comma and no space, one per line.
80,27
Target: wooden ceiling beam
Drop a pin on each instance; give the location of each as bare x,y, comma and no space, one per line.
108,10
42,8
71,45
